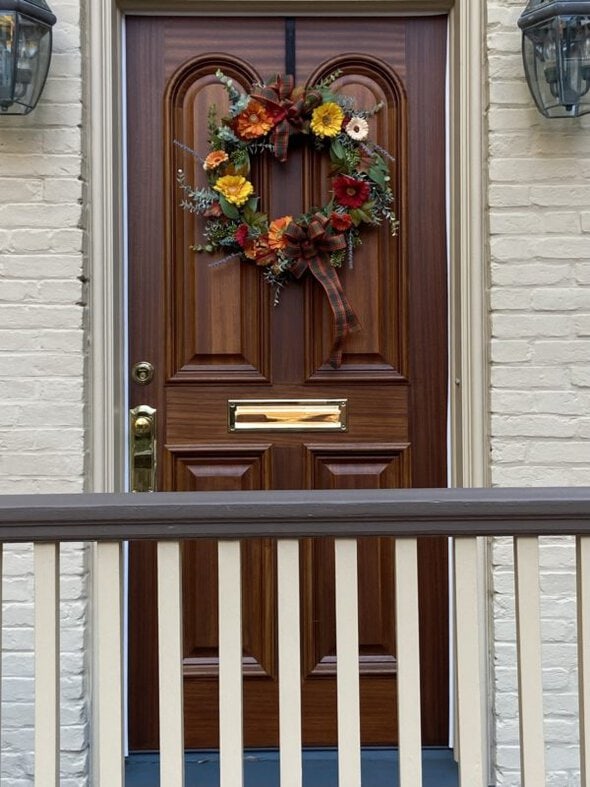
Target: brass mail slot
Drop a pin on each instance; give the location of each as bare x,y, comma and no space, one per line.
305,415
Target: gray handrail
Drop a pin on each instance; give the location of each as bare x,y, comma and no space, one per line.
296,514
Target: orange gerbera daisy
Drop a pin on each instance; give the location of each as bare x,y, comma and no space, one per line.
276,232
254,121
214,159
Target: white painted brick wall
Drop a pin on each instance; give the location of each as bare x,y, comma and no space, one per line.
42,385
539,216
539,195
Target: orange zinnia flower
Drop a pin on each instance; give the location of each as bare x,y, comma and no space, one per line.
276,231
214,159
258,250
253,122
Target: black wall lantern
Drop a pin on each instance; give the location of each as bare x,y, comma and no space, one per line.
25,52
556,54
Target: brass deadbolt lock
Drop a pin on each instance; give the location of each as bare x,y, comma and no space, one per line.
142,372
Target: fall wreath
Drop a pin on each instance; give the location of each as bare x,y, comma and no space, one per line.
321,240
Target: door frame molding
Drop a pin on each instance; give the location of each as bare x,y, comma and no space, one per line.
468,331
467,186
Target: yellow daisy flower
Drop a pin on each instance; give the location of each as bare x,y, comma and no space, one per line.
326,120
234,188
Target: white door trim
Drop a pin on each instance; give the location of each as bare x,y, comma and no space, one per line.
468,307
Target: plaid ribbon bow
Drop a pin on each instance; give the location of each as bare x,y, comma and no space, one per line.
286,111
310,247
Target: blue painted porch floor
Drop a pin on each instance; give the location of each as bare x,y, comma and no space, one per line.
320,768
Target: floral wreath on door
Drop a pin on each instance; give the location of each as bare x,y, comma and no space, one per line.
321,240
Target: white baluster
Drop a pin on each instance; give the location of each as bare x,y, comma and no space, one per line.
170,664
231,744
408,662
347,654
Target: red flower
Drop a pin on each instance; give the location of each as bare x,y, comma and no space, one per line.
340,221
241,235
350,192
213,211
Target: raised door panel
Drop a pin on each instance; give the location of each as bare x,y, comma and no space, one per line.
352,466
219,468
358,465
374,273
226,468
218,312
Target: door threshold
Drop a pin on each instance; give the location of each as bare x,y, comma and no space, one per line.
320,768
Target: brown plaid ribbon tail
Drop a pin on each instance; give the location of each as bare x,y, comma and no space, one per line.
310,248
286,111
345,320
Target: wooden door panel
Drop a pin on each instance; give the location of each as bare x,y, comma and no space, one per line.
376,607
200,593
206,348
375,276
235,348
224,468
358,466
213,335
203,411
353,466
219,468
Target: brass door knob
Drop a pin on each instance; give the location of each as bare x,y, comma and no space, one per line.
142,449
142,426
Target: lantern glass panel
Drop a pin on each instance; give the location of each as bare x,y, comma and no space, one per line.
33,55
556,55
7,40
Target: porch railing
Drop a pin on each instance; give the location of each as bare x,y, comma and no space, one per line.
465,515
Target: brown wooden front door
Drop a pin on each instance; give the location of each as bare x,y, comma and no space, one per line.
213,335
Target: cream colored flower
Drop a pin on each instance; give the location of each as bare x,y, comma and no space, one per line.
357,128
